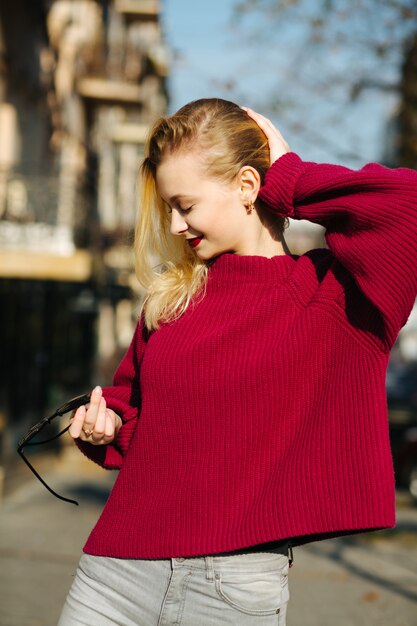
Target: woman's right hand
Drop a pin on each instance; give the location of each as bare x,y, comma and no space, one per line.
95,423
277,144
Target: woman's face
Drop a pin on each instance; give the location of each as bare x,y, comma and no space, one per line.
206,210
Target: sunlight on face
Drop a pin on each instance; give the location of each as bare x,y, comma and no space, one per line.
202,206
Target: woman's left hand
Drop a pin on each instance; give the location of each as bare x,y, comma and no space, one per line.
277,144
95,423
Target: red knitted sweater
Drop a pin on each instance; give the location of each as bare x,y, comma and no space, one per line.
261,413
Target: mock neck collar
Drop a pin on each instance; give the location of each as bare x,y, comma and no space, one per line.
236,267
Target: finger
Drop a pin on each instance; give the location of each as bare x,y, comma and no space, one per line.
265,124
77,422
260,119
109,426
93,408
111,422
111,419
100,424
270,130
118,423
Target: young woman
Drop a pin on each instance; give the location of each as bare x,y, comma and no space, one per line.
249,413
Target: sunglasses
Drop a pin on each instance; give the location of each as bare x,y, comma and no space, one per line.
68,407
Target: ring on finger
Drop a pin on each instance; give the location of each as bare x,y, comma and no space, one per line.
87,432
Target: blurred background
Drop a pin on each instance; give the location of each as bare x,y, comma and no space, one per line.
80,82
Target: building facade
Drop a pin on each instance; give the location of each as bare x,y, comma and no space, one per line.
80,82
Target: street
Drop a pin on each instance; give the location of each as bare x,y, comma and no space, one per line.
364,580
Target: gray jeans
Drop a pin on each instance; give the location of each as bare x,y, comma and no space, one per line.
243,590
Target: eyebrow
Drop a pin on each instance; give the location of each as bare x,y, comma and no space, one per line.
178,196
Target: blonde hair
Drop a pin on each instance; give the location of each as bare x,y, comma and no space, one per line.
231,140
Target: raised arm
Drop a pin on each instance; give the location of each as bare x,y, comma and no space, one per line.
370,216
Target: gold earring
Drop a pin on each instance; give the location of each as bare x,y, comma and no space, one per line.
249,207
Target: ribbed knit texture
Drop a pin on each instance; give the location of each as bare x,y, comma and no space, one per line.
261,413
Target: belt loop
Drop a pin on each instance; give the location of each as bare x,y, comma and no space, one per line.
290,555
209,568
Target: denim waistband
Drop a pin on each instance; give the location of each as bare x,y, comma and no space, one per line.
265,561
277,547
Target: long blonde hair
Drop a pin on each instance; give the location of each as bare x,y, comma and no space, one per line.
231,140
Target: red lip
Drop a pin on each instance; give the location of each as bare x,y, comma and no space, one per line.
194,242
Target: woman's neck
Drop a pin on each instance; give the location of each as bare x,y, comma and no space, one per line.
263,237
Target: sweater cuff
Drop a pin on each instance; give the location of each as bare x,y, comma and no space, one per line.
107,456
277,191
110,456
124,406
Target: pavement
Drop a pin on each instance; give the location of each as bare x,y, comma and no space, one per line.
364,580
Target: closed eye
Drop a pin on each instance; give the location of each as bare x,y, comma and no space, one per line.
169,210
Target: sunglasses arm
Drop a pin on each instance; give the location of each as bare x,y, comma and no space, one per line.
69,406
32,469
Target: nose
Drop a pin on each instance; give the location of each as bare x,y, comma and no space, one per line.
178,223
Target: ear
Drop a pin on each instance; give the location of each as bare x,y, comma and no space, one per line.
249,182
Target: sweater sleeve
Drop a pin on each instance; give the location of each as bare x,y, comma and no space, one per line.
124,398
370,217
